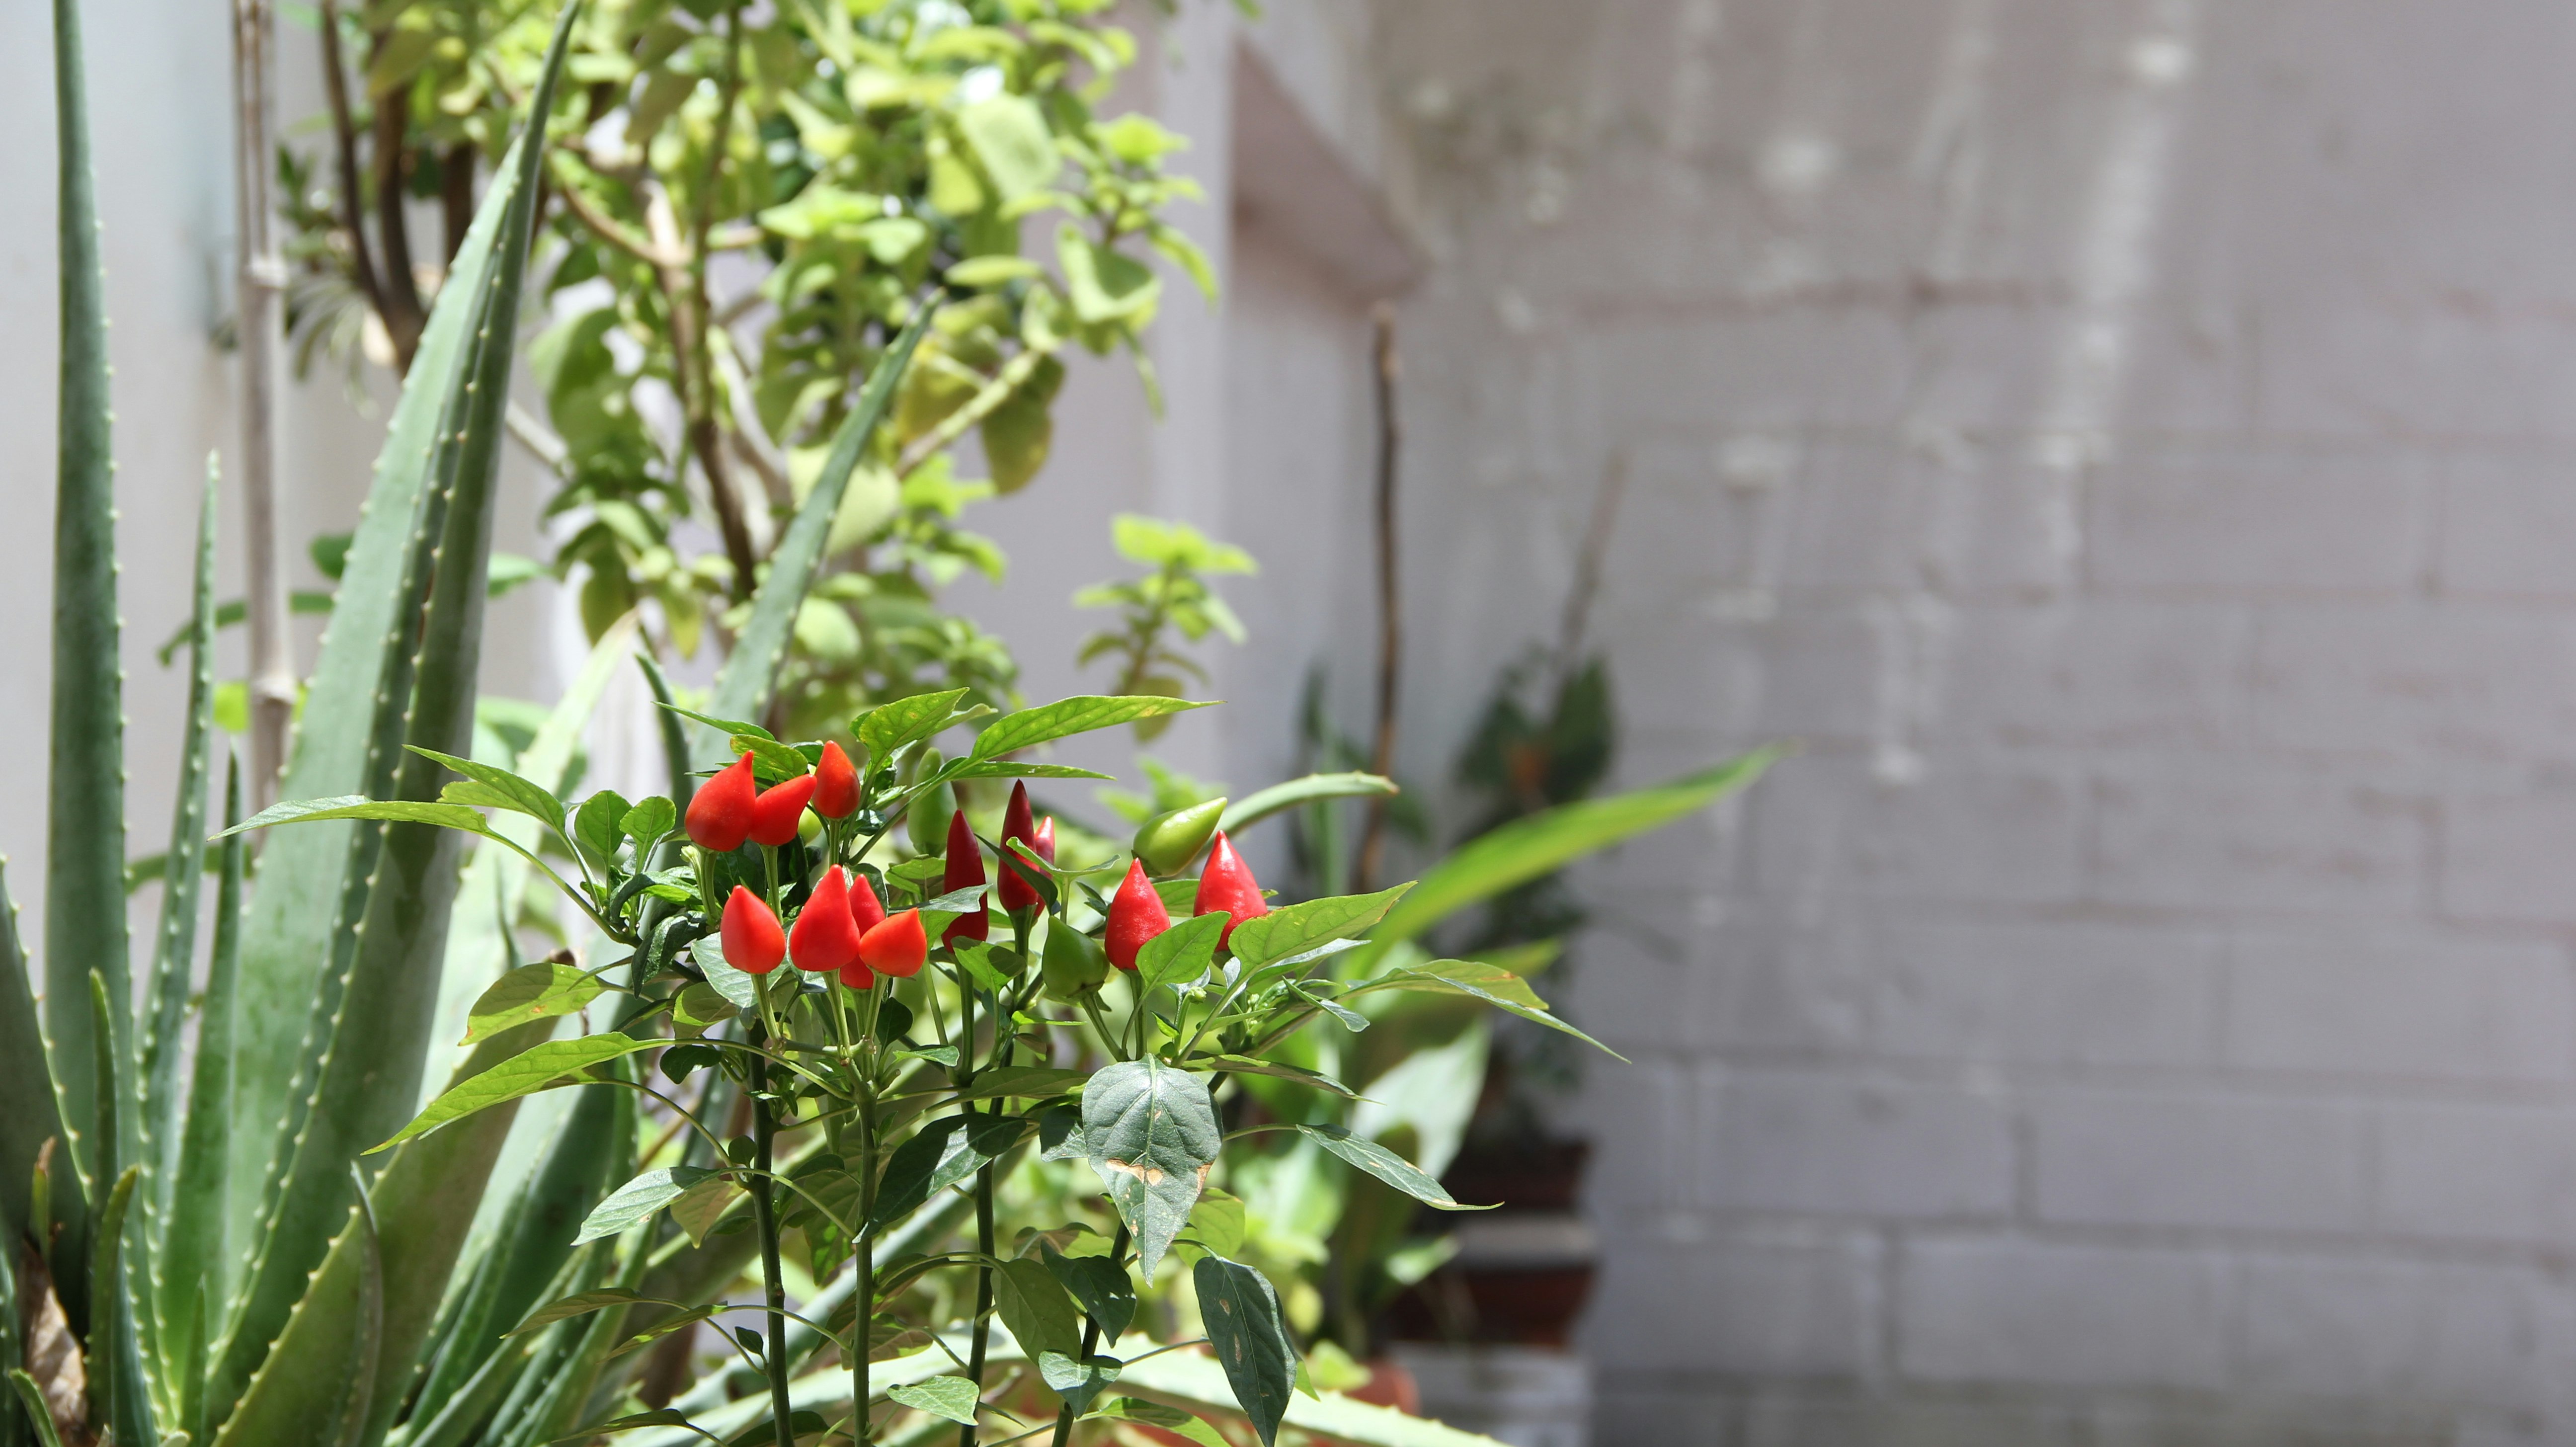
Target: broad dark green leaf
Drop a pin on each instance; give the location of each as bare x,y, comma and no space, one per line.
1033,1304
1180,954
1099,1284
1251,1340
1152,1134
1068,716
1317,922
530,992
639,1198
650,820
1243,813
557,1062
1386,1165
954,1398
888,727
945,1152
1077,1381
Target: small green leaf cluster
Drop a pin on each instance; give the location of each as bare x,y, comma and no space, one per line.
1173,597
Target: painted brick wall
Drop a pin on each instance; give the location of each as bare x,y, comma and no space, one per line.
2129,442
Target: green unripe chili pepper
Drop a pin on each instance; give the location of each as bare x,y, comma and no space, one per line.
926,820
1169,841
1073,965
810,827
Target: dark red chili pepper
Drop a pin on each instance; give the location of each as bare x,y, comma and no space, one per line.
836,784
1136,914
965,870
1019,825
897,947
720,812
1227,884
825,938
779,809
753,942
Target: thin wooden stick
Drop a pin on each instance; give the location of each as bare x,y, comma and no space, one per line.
1390,645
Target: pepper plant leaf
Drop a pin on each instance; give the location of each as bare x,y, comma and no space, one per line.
1077,1381
887,728
1180,954
1251,1339
1386,1165
500,789
954,1398
1065,717
540,1067
1099,1284
1033,1304
1152,1133
638,1199
531,992
1477,980
1299,928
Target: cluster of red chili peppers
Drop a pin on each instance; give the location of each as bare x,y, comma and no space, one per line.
844,929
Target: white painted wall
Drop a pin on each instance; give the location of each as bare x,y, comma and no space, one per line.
2128,441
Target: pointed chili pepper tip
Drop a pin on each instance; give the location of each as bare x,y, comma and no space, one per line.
1136,914
1019,826
896,947
825,938
779,810
753,942
964,870
836,784
1227,884
720,812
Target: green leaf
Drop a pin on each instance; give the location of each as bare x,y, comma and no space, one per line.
1068,716
743,683
888,727
1180,954
541,1067
739,986
1218,1222
1034,1082
1035,1307
31,1400
1155,1414
1077,1381
1386,1165
1152,1134
1243,813
954,1398
1477,980
309,811
192,1246
1009,135
658,1417
1099,1284
638,1199
1103,283
1251,1340
1016,769
1280,1070
650,821
943,1153
580,1303
530,992
800,1423
500,789
165,994
85,803
33,1116
701,1206
1524,849
600,827
1317,922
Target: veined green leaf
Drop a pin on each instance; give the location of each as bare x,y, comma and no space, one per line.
954,1398
1317,922
743,683
1243,813
531,992
638,1199
1076,1381
1386,1165
1016,769
1033,1304
1099,1284
500,789
1251,1340
886,728
1180,954
1477,980
1152,1133
540,1067
85,804
1155,1414
1280,1069
1068,716
943,1153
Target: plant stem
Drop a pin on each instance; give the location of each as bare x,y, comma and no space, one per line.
1390,646
764,1216
1091,1335
863,1326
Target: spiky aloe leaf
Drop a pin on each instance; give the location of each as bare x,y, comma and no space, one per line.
191,1268
367,1047
165,994
119,1393
423,1203
85,804
751,669
34,1114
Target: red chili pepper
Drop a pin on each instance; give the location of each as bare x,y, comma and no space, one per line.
1227,884
778,810
965,870
753,942
720,812
897,947
1019,825
866,910
1136,914
836,784
825,938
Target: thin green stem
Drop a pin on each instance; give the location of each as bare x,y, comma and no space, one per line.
1090,1335
764,1215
